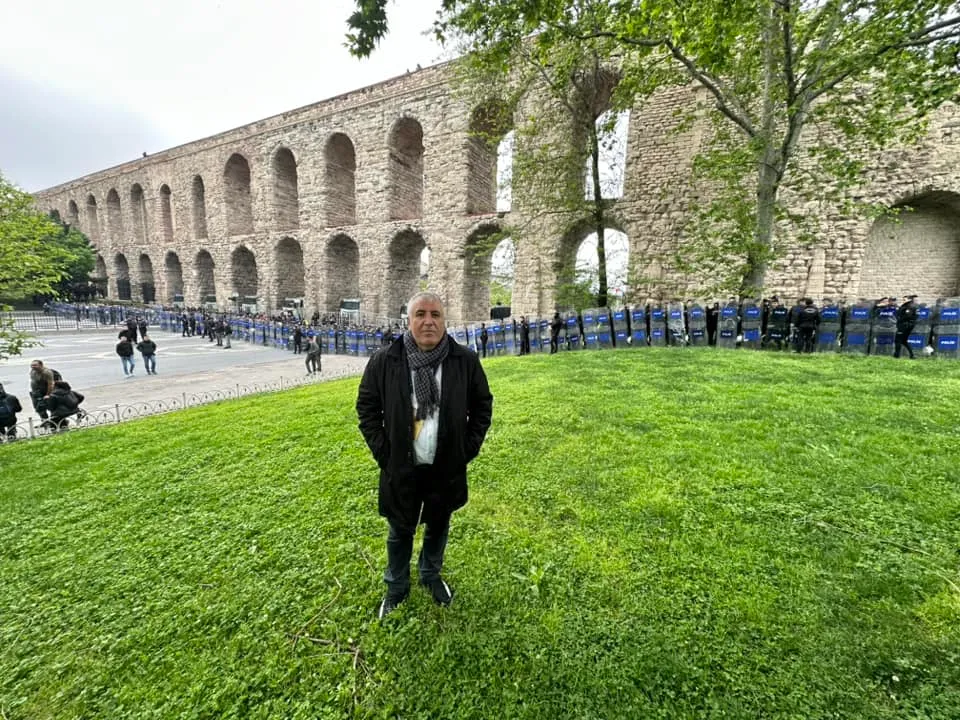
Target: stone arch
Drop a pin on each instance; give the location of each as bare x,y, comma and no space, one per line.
489,125
166,214
243,272
114,216
198,196
291,276
93,220
73,214
478,255
340,193
121,270
405,169
138,212
403,269
915,251
576,263
148,287
341,271
172,276
613,129
286,194
99,276
237,196
206,284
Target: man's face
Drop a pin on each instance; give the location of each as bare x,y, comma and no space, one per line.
427,324
34,366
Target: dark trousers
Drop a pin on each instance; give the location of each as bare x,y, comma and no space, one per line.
400,549
901,340
313,363
483,348
805,340
554,343
40,405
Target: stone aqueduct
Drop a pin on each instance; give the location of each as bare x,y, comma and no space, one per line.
338,199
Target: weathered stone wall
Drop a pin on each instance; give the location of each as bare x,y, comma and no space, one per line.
337,200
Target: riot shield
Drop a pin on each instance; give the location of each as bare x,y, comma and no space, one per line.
572,327
331,341
884,330
511,346
533,333
658,326
620,327
497,341
856,337
460,335
590,341
676,325
947,329
920,337
828,333
727,326
638,326
697,320
604,329
544,331
751,325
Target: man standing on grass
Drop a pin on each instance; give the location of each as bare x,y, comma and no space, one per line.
424,407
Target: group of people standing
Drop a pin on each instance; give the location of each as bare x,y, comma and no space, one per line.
128,342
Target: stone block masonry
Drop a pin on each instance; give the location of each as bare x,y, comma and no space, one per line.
338,200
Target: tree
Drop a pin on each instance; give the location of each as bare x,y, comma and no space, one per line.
857,74
34,256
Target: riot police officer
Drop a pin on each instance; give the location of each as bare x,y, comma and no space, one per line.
778,325
906,321
807,321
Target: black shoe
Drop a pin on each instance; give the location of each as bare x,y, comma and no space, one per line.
390,603
441,592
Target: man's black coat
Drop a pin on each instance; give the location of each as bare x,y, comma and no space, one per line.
386,421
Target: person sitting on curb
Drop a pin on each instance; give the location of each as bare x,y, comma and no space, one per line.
63,403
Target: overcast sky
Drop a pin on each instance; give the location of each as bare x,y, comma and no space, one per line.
87,85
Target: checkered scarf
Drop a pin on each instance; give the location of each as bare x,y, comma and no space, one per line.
424,366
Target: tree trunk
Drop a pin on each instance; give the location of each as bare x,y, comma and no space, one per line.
598,217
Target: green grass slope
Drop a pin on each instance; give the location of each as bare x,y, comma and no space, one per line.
655,534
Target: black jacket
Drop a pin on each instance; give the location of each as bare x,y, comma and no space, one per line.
12,403
124,349
906,317
386,422
808,317
147,347
63,403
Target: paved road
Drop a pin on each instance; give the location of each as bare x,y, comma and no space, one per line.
88,361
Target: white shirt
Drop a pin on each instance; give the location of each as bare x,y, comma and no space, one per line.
425,441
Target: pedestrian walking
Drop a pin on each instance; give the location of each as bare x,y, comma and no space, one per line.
313,356
125,351
148,349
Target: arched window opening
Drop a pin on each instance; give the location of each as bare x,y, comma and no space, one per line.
237,195
489,159
612,131
199,209
166,213
616,261
114,216
138,211
405,170
206,285
340,195
173,278
244,275
121,269
148,287
291,274
404,270
73,214
286,197
93,220
342,272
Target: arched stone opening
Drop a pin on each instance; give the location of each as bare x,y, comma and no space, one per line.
172,276
404,270
199,201
93,220
166,214
237,195
488,270
489,159
243,271
206,285
291,275
577,266
148,287
73,214
286,195
342,271
916,251
405,170
612,132
340,194
114,216
99,276
121,270
138,212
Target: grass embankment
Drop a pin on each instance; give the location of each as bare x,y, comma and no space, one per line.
650,534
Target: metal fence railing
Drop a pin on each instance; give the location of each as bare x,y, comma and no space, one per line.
33,429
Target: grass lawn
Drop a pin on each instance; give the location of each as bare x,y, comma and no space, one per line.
651,534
